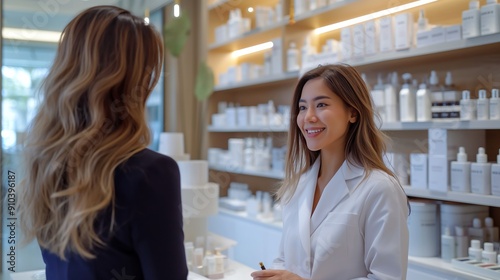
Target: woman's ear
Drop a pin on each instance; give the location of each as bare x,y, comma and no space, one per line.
354,115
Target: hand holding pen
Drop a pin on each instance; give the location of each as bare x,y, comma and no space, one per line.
273,274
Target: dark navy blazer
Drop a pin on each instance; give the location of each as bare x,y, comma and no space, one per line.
148,241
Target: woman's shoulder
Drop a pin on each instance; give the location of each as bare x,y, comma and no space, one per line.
381,182
148,158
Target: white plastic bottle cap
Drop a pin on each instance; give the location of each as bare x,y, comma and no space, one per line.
466,95
488,246
474,5
488,222
459,231
482,94
476,223
494,93
481,158
461,156
475,244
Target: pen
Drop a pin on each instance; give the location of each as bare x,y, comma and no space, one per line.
262,266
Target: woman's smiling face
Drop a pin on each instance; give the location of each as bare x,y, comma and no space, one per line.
323,117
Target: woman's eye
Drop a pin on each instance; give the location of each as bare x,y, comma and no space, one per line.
302,108
321,105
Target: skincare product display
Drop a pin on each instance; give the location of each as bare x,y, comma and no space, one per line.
260,116
208,255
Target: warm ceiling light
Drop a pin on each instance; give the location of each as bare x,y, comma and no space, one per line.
253,49
250,9
31,35
371,16
177,10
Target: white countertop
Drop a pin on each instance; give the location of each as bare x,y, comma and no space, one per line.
237,271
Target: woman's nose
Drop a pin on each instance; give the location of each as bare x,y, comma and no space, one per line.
311,115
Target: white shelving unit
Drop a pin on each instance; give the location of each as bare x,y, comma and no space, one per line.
266,174
281,128
284,77
470,198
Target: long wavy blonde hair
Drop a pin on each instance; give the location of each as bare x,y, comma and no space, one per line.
365,143
91,119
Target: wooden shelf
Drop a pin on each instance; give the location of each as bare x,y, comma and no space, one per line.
281,128
273,79
266,174
469,198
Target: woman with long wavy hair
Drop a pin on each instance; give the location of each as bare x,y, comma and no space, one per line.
100,204
344,212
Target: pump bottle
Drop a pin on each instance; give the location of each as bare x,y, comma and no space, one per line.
480,177
460,172
407,100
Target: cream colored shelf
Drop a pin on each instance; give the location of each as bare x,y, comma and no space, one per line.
452,125
273,79
470,198
281,128
266,174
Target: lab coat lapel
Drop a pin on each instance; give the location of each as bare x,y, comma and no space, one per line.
305,206
335,191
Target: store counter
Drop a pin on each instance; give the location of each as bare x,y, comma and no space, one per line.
237,271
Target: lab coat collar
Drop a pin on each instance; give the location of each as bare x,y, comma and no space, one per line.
335,191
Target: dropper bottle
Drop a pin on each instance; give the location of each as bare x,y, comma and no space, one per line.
480,178
460,172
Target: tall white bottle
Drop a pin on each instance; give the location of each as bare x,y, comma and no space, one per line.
461,242
476,232
495,176
471,26
407,100
424,103
391,98
483,106
292,58
490,17
480,177
491,231
467,107
494,105
460,172
447,245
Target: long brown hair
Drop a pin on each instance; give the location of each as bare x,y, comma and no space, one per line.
91,119
365,143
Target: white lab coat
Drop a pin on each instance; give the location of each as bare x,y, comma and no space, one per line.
358,229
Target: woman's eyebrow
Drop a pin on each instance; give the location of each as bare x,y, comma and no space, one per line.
316,98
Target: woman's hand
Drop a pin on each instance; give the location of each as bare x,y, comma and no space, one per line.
273,274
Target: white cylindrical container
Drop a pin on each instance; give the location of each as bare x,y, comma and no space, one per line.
447,245
172,144
194,173
461,242
467,107
488,254
423,225
475,251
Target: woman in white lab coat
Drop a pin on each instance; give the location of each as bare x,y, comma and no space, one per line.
344,212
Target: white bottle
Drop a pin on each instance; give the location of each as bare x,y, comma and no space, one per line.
495,105
495,176
391,98
476,232
491,231
407,100
437,97
447,245
471,26
480,177
490,17
292,61
461,242
488,254
422,22
475,251
424,103
378,99
460,172
467,107
483,106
